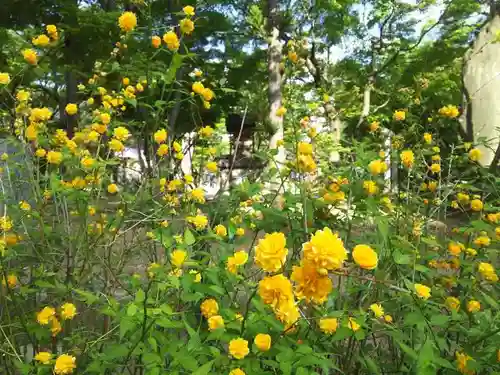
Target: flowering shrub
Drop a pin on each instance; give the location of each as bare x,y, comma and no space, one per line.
338,273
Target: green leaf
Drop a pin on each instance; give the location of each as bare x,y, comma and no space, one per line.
425,356
172,70
126,324
189,237
401,258
132,309
87,297
205,369
490,300
115,351
439,320
372,366
140,296
409,351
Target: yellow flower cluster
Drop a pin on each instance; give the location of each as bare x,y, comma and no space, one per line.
305,159
276,291
238,259
270,252
48,316
449,111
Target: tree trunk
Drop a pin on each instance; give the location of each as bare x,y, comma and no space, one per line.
274,52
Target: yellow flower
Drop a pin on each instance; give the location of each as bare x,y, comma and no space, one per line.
215,322
237,371
22,95
328,325
240,232
162,150
30,56
462,360
310,284
365,257
207,94
488,271
11,281
186,26
206,131
238,348
476,205
482,241
197,88
199,221
220,230
352,324
127,21
160,136
4,78
156,41
280,112
54,157
240,257
423,291
428,138
209,307
116,145
435,168
452,303
270,252
121,133
473,306
475,154
41,41
370,187
374,126
275,290
188,10
105,119
51,29
68,311
263,342
325,250
450,111
43,357
377,309
304,148
388,318
25,206
377,167
399,115
112,189
178,257
87,162
198,195
45,315
407,158
65,364
196,274
211,166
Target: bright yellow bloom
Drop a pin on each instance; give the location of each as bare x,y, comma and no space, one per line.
41,40
462,360
240,257
127,21
237,371
450,111
488,271
207,94
211,166
105,118
482,241
65,364
388,318
215,322
186,26
54,157
407,158
220,230
156,41
188,10
238,348
199,221
30,56
365,257
280,112
116,145
68,311
377,167
452,303
475,154
304,148
178,257
370,187
270,252
206,131
240,232
43,357
310,284
473,306
160,136
121,133
435,168
22,95
328,325
455,248
11,281
428,138
352,324
423,291
45,315
162,150
374,126
198,195
377,309
275,290
197,87
399,115
87,162
263,342
476,205
325,250
209,307
4,78
112,188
